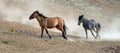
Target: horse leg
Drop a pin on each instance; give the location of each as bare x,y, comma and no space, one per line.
86,34
92,34
94,30
98,34
42,32
47,33
63,32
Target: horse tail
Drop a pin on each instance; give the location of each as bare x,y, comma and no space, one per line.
99,26
64,28
64,32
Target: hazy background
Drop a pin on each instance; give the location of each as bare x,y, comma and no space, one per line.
106,12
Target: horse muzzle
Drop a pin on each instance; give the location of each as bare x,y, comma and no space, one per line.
30,18
78,23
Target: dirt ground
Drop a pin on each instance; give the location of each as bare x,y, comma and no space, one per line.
19,38
23,38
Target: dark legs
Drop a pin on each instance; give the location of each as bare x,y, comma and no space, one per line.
97,32
42,32
63,30
92,34
86,34
46,32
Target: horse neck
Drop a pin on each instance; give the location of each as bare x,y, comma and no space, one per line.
85,20
39,18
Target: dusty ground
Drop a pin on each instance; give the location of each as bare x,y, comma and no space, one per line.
19,38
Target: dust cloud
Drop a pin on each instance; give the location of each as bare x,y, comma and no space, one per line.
112,32
20,10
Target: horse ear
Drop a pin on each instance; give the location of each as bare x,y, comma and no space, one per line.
36,10
82,15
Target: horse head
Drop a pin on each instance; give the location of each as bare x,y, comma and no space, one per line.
80,18
34,15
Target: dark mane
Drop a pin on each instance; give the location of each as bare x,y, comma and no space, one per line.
81,17
41,15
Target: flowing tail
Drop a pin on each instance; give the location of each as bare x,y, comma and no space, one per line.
98,29
64,27
64,32
99,26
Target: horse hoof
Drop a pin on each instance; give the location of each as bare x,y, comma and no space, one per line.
95,37
65,38
41,37
50,38
86,38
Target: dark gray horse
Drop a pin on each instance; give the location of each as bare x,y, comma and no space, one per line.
90,25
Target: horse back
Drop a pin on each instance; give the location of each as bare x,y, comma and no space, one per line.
53,21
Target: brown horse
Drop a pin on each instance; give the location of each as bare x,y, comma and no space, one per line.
52,22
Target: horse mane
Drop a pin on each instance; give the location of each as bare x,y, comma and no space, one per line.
40,14
92,20
81,17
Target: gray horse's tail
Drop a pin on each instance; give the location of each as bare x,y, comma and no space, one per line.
99,26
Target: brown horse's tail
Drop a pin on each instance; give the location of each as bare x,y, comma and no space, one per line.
64,27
